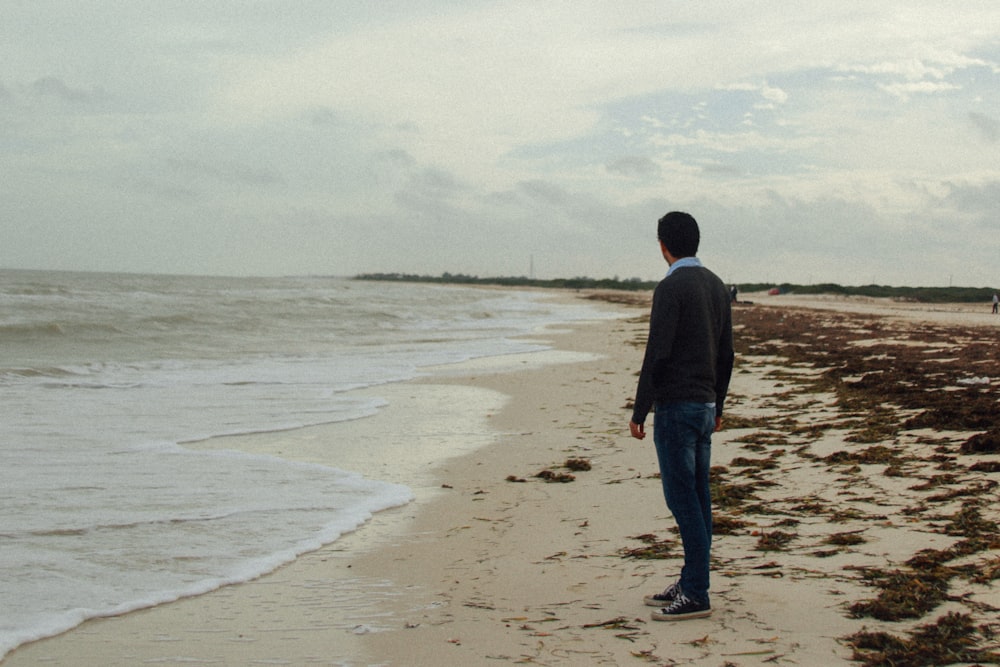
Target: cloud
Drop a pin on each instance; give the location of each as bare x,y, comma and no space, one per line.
230,174
544,193
435,136
988,127
977,202
634,166
55,88
914,69
906,90
773,96
55,93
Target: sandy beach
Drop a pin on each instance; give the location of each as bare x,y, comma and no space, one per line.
855,504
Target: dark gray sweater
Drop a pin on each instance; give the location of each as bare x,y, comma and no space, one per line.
689,353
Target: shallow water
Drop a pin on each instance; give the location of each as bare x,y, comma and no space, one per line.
104,378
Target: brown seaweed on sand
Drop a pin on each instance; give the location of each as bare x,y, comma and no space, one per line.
653,549
846,539
578,465
883,379
774,541
725,494
903,593
982,443
550,476
952,639
726,525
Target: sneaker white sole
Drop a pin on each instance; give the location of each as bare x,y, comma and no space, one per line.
660,616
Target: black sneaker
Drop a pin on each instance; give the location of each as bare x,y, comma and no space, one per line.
682,609
664,599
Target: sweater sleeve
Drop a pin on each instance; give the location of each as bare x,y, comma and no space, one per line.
724,364
662,328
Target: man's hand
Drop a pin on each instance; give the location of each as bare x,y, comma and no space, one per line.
638,431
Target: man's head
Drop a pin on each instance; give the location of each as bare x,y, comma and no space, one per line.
678,232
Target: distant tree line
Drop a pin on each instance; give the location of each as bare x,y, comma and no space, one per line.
631,284
915,294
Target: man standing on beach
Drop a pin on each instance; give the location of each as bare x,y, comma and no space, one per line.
684,379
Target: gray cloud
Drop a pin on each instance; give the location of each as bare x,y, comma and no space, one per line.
230,174
982,201
56,93
52,87
989,128
634,166
543,192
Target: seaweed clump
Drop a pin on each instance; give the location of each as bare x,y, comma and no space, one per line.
953,638
653,549
727,525
982,443
845,539
550,476
774,541
728,496
903,594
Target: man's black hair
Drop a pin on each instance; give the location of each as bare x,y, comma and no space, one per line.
679,233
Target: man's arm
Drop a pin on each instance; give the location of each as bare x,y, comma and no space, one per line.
725,360
662,326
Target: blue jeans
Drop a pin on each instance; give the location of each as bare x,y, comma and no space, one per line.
682,433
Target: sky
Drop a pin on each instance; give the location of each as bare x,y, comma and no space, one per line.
831,141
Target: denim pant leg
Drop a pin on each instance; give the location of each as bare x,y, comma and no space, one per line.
682,433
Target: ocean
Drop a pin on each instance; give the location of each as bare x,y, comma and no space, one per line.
108,380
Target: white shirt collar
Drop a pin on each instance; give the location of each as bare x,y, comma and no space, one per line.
684,262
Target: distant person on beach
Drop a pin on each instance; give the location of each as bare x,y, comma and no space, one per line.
733,292
684,379
996,302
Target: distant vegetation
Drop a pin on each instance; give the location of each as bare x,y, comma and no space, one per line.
631,284
915,294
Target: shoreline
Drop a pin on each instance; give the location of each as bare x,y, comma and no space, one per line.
481,569
430,403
